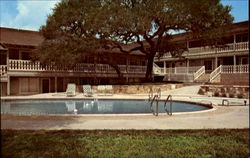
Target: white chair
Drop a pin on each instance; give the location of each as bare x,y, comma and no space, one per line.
71,90
101,89
87,91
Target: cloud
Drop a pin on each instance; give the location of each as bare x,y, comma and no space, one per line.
30,15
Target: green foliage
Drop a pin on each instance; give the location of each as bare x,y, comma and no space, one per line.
79,27
126,143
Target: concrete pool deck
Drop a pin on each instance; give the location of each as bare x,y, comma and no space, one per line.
220,117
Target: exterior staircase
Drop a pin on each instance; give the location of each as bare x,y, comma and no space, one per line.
203,78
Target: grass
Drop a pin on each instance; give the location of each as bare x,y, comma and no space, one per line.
223,143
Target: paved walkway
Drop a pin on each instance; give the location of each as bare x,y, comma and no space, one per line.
219,117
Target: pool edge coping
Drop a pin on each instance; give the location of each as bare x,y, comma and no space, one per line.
209,105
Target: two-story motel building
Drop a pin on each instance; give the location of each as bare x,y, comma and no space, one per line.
21,76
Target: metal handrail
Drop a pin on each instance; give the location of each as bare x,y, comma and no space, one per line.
151,105
158,92
150,94
165,103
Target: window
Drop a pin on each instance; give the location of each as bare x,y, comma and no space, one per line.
13,54
26,56
3,59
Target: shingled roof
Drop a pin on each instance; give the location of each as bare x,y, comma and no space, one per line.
20,37
34,38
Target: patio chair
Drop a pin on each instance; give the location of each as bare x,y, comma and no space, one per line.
101,89
109,89
87,91
71,90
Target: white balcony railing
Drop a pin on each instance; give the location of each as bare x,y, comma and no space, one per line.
226,48
25,65
229,69
241,46
234,69
3,70
183,70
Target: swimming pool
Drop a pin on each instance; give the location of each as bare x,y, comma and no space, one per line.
91,106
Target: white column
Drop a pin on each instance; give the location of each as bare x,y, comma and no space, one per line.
164,64
234,60
216,62
234,63
7,59
56,84
187,66
8,84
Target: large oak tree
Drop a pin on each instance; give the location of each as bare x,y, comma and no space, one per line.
80,27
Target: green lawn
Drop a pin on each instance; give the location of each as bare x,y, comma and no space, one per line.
127,143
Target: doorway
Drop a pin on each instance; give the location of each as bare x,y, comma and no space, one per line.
208,65
45,85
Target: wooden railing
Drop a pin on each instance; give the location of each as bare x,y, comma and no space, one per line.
226,48
215,73
3,70
227,69
25,65
183,70
137,69
235,69
199,72
158,70
209,50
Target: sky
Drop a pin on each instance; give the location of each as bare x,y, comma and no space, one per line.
31,14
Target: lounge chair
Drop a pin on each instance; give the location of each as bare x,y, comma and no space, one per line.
87,91
101,89
109,89
71,90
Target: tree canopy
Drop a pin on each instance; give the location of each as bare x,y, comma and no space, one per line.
79,27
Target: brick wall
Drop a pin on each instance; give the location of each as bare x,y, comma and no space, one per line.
235,78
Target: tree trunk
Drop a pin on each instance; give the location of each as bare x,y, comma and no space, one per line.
120,76
148,76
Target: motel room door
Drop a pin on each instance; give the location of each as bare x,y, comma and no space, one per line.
45,85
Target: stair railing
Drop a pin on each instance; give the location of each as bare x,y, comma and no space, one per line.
199,72
215,73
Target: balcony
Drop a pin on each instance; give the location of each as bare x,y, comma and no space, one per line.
29,66
237,47
3,70
226,48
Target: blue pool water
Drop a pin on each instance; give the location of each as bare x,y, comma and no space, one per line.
41,107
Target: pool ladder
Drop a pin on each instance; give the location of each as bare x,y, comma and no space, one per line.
156,100
169,99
